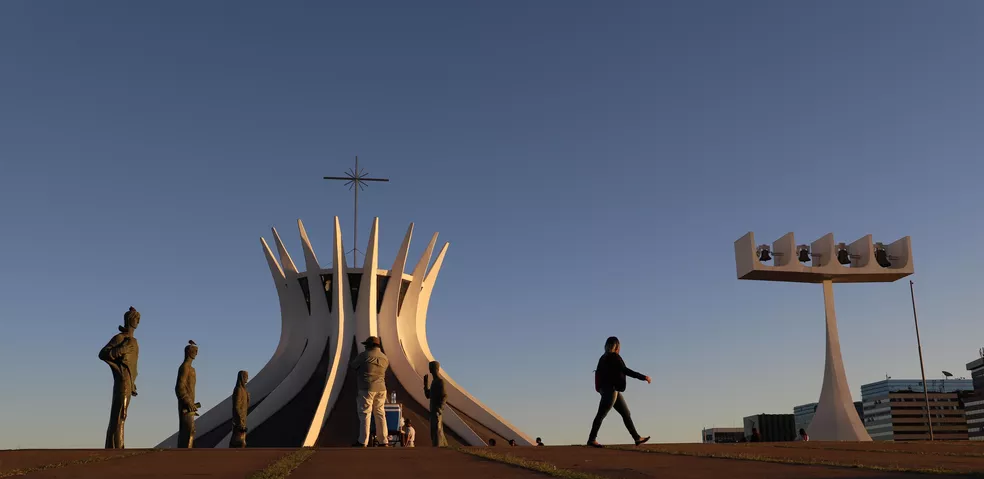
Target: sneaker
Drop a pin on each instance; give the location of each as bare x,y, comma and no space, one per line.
641,440
594,444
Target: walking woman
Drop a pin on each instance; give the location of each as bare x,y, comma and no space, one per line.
610,383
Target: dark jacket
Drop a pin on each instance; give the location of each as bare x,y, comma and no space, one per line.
611,372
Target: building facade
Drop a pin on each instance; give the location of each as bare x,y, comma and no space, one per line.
305,395
772,427
974,403
895,409
803,414
721,435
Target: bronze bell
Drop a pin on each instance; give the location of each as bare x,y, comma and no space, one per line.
881,256
843,257
765,256
804,255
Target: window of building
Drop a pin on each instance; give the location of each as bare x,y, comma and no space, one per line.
381,282
355,281
403,293
303,281
326,280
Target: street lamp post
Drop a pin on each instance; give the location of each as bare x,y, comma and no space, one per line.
922,369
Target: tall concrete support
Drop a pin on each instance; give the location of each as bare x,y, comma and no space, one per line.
835,418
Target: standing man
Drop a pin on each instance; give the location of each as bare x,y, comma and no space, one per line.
121,353
370,368
184,390
438,397
610,383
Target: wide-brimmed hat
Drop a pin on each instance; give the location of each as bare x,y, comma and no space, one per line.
371,341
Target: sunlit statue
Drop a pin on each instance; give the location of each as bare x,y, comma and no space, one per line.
121,355
438,398
240,407
184,389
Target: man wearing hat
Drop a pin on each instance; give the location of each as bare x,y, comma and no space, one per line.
370,374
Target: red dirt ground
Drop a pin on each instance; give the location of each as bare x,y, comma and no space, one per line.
948,447
869,454
639,465
427,463
443,463
224,463
28,458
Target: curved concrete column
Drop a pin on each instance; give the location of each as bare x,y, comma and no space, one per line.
321,324
458,396
292,337
341,344
389,334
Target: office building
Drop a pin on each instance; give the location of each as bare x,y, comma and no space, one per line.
878,388
895,409
772,427
804,414
722,435
973,403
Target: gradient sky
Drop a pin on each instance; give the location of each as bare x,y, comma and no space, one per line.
591,164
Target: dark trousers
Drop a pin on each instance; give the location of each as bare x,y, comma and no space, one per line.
122,390
609,400
437,428
186,429
238,438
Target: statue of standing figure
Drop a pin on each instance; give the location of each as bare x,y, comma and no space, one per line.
438,398
184,389
121,353
240,408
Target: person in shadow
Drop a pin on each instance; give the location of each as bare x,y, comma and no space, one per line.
409,433
610,383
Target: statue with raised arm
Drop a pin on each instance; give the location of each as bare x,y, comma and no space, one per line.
240,407
121,353
438,398
184,389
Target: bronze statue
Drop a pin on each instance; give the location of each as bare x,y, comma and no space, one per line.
121,353
438,398
240,407
184,389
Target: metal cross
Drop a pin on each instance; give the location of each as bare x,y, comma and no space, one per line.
356,180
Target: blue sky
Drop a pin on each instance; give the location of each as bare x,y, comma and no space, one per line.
591,165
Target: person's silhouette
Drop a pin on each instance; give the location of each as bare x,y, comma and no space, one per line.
610,383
